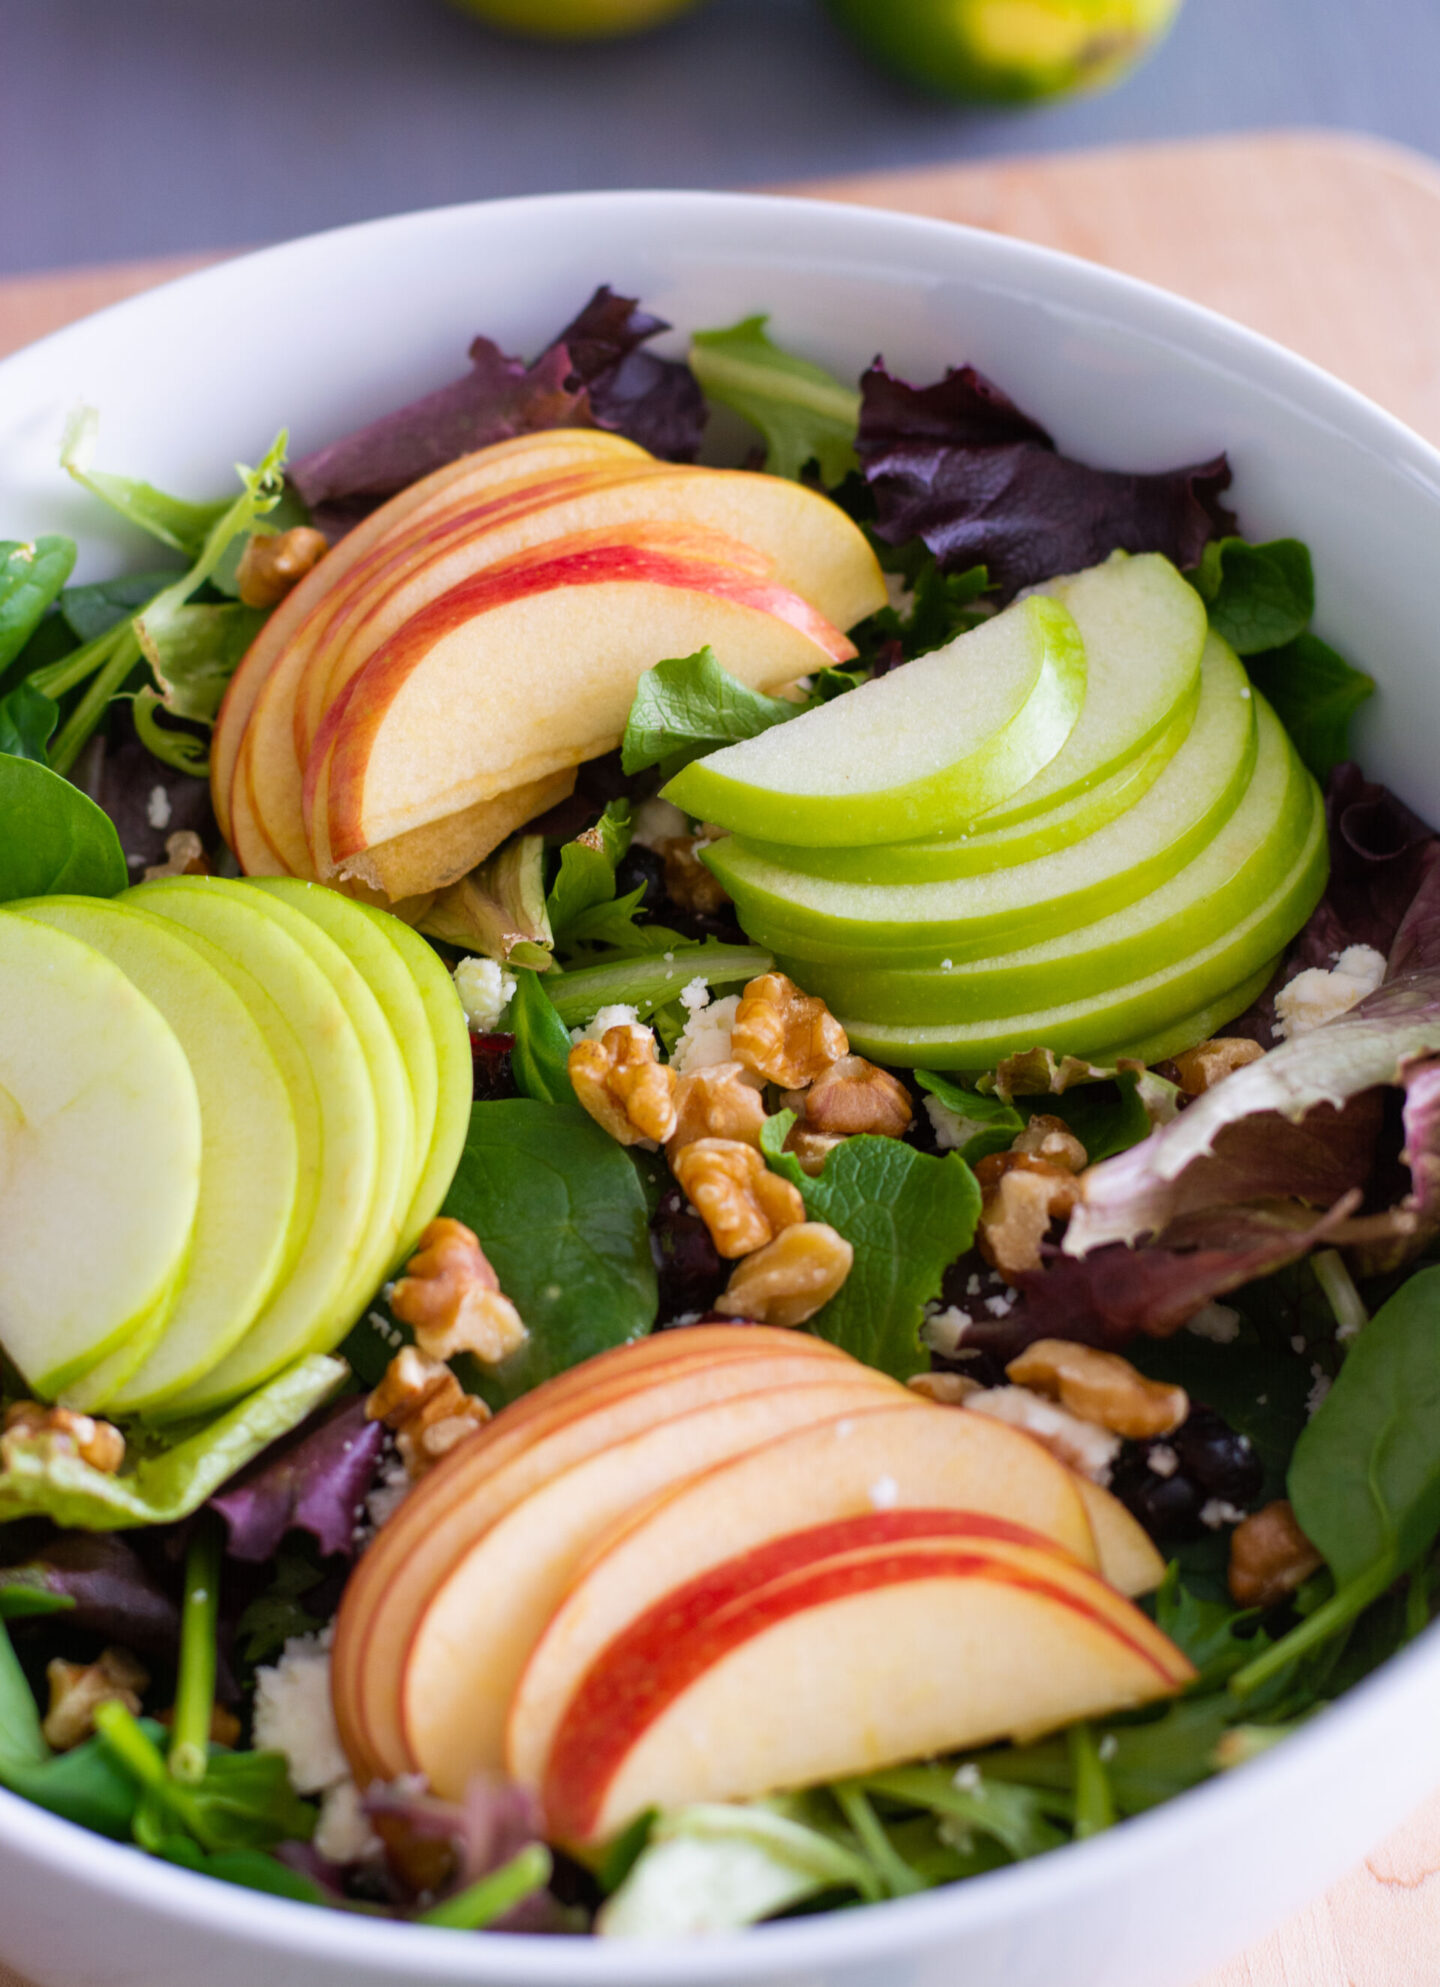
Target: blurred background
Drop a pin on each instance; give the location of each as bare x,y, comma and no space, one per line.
159,127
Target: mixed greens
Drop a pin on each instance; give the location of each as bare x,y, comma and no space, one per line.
1301,1190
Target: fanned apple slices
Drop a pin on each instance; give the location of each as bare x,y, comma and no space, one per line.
733,1514
247,1098
436,680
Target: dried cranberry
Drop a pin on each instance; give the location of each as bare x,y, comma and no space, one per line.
494,1078
690,1269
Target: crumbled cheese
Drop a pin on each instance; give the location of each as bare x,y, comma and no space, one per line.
293,1714
1107,1748
1315,996
1297,1342
1217,1322
967,1778
884,1493
943,1328
1217,1513
1321,1387
343,1833
951,1130
705,1038
695,994
388,1495
1001,1306
1162,1459
616,1016
899,593
972,1284
657,821
485,991
1080,1444
157,809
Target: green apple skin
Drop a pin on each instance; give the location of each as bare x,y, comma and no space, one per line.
575,20
249,1155
1007,51
426,1018
969,916
324,1068
922,751
1155,1009
100,1149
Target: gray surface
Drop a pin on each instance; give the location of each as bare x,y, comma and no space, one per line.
137,127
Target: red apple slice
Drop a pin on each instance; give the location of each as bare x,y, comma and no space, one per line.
927,1461
453,709
841,1650
473,1639
560,1423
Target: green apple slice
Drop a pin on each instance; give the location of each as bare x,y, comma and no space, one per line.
419,1000
1233,872
249,1152
100,1146
968,917
1206,1021
324,1068
1144,631
922,751
1146,1010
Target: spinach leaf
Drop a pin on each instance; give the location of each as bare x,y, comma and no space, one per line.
27,718
1258,596
984,1124
1315,693
174,521
31,575
245,1800
539,1061
93,610
804,413
907,1216
689,706
560,1212
252,1869
55,838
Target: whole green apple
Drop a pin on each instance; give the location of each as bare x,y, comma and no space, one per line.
575,20
1007,51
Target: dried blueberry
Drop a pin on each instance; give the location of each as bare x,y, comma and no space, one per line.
690,1270
1214,1456
1167,1484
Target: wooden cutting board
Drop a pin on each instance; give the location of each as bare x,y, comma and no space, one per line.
1332,246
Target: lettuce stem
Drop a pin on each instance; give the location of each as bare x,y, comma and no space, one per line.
1094,1805
1328,1620
472,1909
91,707
195,1688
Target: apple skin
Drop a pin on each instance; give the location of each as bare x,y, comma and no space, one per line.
601,611
795,1664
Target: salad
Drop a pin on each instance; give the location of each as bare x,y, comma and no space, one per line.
720,1183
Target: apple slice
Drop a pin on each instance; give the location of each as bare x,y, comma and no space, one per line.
100,1143
321,1060
553,449
835,1469
871,904
523,1449
249,1160
1128,1558
921,751
452,709
844,1649
473,1639
441,853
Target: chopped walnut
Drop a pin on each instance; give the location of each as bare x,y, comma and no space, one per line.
1051,1138
274,562
1201,1068
784,1035
426,1409
1270,1556
225,1727
623,1085
451,1298
77,1690
811,1148
947,1389
1100,1387
718,1101
854,1096
791,1278
184,856
66,1433
742,1203
1022,1196
688,882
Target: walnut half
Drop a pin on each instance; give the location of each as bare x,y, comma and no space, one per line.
66,1433
426,1409
786,1036
1023,1194
451,1298
854,1096
275,561
742,1203
77,1690
624,1086
791,1278
1100,1387
1270,1557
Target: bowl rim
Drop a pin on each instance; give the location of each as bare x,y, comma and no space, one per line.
846,1938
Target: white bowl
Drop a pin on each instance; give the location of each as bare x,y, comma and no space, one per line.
325,333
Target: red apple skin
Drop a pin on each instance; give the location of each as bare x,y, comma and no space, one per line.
697,564
650,1666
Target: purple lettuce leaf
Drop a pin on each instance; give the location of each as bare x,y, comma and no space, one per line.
315,1481
959,466
653,401
112,1592
437,1847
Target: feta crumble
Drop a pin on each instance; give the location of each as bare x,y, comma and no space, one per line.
705,1038
943,1329
1217,1513
343,1833
884,1493
616,1016
1315,996
1107,1748
485,991
1321,1386
157,809
695,994
657,821
293,1714
966,1778
1217,1322
1162,1459
951,1130
1081,1445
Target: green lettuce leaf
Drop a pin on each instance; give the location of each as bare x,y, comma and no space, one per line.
1258,596
986,1124
93,610
32,572
651,979
689,706
56,838
804,413
173,520
1315,693
540,1058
